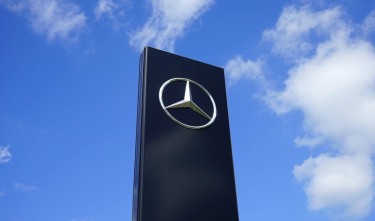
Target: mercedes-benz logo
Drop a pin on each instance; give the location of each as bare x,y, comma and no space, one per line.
187,102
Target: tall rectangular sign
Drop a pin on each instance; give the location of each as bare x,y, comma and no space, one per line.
184,167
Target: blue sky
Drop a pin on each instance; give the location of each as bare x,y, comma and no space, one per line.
300,85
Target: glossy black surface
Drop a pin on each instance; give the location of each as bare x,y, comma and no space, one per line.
182,174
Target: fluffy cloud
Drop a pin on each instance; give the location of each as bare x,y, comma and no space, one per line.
56,19
238,68
368,25
339,77
104,7
168,21
289,37
338,183
5,155
331,82
113,10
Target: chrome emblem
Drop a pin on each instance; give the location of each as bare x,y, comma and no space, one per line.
187,102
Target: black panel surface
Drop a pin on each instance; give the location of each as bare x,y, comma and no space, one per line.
182,174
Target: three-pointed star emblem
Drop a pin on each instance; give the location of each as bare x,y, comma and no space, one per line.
188,102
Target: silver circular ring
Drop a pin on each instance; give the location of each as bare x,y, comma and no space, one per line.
173,118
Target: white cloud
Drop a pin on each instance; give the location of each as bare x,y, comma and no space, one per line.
104,7
5,155
338,182
109,8
114,11
2,193
332,83
24,187
334,89
168,21
290,35
308,141
56,19
237,68
368,25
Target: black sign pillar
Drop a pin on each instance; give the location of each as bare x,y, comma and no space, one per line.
183,167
